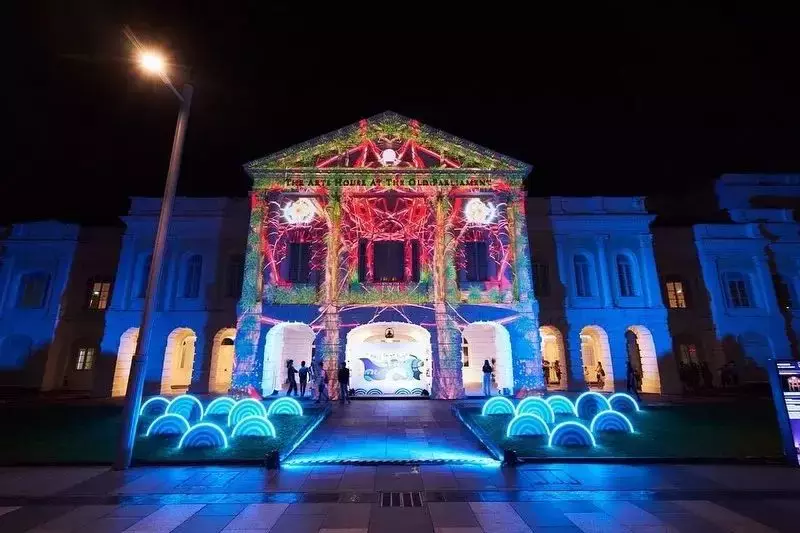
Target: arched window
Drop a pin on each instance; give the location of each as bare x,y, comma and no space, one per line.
144,274
737,290
33,290
627,284
191,280
583,284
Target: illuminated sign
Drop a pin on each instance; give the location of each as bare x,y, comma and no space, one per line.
789,380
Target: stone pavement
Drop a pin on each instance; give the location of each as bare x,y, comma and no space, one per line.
550,498
390,430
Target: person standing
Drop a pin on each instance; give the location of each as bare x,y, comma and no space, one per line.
600,375
291,377
632,381
303,374
321,377
557,369
546,371
344,383
487,378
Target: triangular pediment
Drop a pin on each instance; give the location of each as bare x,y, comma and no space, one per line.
387,142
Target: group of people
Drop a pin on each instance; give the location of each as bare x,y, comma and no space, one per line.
551,371
319,376
695,376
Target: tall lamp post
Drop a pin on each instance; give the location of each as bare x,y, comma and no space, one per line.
153,63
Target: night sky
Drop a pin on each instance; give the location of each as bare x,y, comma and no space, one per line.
616,100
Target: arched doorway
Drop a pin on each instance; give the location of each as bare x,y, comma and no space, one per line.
553,353
122,367
487,341
176,375
287,340
595,349
390,359
221,371
641,352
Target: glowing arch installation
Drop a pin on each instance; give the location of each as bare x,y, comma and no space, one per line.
285,406
498,405
571,434
537,406
254,426
204,435
246,407
168,425
527,425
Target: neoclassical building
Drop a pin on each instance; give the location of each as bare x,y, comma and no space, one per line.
412,256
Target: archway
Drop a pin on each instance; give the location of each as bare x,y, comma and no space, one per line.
390,359
553,353
122,367
221,371
595,349
176,375
641,352
287,340
487,340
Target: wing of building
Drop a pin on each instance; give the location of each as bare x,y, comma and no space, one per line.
413,257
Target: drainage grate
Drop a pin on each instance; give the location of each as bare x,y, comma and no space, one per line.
401,499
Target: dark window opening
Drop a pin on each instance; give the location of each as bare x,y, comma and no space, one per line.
415,261
362,260
477,256
33,290
541,279
194,271
299,262
388,261
235,273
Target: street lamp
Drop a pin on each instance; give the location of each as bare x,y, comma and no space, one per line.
154,63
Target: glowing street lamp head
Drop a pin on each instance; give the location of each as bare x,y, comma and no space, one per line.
152,62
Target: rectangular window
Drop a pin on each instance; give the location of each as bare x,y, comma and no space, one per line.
477,255
625,274
737,293
688,353
299,262
583,287
234,274
98,294
415,261
541,279
85,359
362,260
388,261
676,297
33,290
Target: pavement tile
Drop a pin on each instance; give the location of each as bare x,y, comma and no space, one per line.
257,516
628,513
77,517
457,530
541,514
111,524
204,524
313,509
137,511
221,509
597,523
399,519
724,518
31,516
166,518
452,514
298,524
348,516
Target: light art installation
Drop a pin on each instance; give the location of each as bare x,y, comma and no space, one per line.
590,403
476,211
527,425
220,406
168,424
157,405
623,402
246,407
300,211
204,435
537,406
498,405
188,406
561,405
571,434
285,406
611,421
254,426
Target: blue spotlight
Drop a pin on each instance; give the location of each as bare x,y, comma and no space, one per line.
537,406
246,407
253,426
527,425
187,406
590,403
498,405
622,401
571,434
204,435
562,405
157,405
169,424
285,406
611,421
220,406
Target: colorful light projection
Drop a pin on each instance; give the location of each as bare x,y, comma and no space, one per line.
246,407
590,403
188,406
220,406
168,424
300,211
536,406
623,402
204,435
571,434
527,425
478,212
285,406
498,405
157,405
611,421
562,405
254,426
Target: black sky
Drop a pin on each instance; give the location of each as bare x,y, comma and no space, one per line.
622,98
